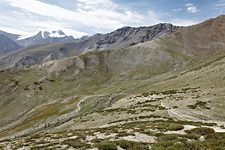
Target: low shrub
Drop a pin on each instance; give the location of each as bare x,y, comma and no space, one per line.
128,145
216,136
201,131
172,137
195,145
191,136
168,126
199,104
106,145
77,144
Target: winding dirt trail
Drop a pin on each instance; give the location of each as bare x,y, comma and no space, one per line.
82,101
69,116
78,105
183,117
54,123
178,115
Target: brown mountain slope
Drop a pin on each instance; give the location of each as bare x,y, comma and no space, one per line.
204,39
49,91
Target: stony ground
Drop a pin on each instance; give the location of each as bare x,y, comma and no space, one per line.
147,121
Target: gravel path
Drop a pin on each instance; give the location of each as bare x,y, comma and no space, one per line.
54,123
180,116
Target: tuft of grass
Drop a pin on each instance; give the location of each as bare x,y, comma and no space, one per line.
168,126
172,137
106,145
128,145
201,131
199,104
191,136
77,144
215,136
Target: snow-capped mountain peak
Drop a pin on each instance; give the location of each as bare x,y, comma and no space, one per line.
52,34
57,34
45,35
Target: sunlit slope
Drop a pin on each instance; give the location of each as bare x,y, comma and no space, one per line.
184,70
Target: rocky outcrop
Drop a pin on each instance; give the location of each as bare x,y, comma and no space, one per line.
128,36
63,65
25,62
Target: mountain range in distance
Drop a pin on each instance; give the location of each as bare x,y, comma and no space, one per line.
46,46
42,37
46,37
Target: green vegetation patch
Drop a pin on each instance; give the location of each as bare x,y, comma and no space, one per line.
199,104
213,141
106,145
128,145
167,126
77,144
201,131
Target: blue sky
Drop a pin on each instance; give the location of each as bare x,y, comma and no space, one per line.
82,17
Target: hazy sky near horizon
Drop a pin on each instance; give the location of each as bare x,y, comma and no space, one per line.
81,17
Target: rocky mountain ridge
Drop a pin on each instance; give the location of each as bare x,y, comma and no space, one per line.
128,36
122,38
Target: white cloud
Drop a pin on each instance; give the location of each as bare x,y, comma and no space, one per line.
183,22
100,14
14,30
220,3
29,24
88,16
152,18
177,9
3,17
220,6
191,8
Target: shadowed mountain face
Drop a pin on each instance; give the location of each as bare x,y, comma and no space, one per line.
7,45
127,36
13,37
121,38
